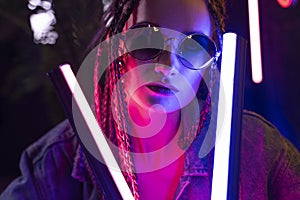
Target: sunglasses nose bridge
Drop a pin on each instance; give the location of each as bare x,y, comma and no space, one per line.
168,55
171,45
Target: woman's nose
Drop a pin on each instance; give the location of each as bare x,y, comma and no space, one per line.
165,70
167,64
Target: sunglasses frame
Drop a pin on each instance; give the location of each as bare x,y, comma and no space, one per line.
179,53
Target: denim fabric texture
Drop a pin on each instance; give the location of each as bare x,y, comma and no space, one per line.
269,167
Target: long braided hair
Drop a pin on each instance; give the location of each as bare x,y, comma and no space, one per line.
113,22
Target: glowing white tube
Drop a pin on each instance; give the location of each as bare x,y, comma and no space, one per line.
221,158
96,132
255,46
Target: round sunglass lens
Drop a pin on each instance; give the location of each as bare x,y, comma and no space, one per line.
144,43
196,50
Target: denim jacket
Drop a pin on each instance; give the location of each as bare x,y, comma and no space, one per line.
269,167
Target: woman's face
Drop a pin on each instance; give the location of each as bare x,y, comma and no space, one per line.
164,80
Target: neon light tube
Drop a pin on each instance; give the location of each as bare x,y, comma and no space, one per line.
254,28
96,132
222,146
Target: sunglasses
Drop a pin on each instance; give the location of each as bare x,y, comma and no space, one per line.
146,42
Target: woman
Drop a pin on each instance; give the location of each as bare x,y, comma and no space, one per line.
161,77
164,87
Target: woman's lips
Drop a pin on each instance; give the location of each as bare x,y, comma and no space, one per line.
162,89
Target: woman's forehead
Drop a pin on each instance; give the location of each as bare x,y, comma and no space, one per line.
179,15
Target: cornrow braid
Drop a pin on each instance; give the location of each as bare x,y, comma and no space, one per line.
217,7
128,9
217,10
115,18
118,7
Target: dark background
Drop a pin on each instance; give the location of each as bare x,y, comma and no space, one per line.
28,103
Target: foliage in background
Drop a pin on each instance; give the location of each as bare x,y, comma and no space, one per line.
28,103
25,63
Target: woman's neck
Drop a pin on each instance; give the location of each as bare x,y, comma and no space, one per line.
153,129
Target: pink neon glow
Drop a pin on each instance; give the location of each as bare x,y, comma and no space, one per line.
285,3
254,27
